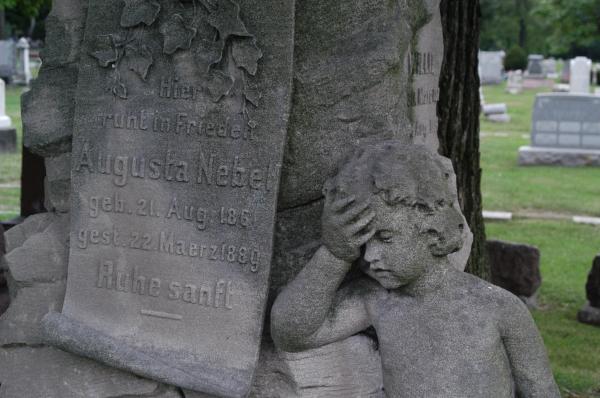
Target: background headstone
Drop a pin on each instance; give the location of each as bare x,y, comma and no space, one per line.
8,134
516,268
565,131
491,67
580,75
549,67
565,75
514,84
23,67
8,59
535,69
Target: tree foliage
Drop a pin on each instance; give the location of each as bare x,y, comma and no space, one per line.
552,27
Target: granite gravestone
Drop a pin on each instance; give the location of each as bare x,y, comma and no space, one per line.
581,68
491,67
365,71
7,59
535,69
565,131
179,132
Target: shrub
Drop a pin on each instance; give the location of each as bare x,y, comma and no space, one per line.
516,58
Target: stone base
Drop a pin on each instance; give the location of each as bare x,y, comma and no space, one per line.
536,156
589,315
8,140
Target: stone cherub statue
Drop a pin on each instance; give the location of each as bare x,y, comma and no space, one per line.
442,332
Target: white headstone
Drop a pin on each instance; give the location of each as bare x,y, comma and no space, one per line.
581,68
515,82
23,73
7,59
4,120
491,67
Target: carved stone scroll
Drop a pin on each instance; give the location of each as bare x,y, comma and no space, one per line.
181,118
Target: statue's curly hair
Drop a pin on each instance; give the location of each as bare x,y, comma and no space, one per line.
406,175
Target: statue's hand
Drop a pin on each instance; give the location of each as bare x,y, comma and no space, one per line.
346,226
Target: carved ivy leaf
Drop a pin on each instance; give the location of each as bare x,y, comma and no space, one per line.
225,17
136,12
219,85
119,90
252,94
105,50
177,34
246,54
209,53
139,59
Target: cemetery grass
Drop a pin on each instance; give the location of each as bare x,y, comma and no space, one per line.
537,189
567,253
10,164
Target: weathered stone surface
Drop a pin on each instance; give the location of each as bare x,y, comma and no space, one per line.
57,195
593,284
42,257
515,267
589,315
391,210
337,106
536,156
58,168
62,375
17,235
21,322
177,149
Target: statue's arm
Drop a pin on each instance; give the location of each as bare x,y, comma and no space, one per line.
311,312
527,354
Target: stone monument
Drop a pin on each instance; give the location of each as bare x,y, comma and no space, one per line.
581,68
565,131
8,134
514,84
7,59
23,67
590,313
491,67
182,198
399,203
535,68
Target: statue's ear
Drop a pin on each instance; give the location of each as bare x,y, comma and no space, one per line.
444,232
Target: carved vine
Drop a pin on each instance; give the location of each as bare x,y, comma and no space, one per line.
224,50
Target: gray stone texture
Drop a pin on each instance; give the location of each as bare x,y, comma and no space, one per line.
535,68
8,140
350,85
491,67
589,315
515,267
593,284
536,156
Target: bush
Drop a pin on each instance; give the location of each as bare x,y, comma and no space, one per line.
516,58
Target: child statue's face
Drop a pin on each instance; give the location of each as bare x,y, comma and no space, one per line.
398,254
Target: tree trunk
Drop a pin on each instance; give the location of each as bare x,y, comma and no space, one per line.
458,111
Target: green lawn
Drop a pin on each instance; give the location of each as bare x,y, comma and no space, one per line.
567,249
10,164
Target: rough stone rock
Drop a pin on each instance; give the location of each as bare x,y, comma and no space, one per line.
593,284
515,267
42,257
57,196
20,324
62,375
17,235
58,168
589,315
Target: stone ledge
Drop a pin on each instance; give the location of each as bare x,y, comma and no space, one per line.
537,156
